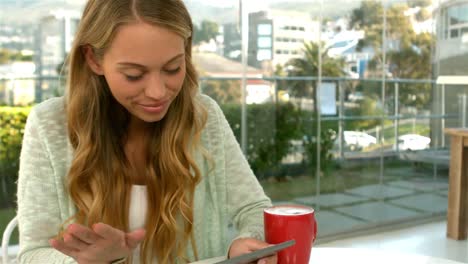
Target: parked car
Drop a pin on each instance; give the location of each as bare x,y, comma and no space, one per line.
413,142
358,140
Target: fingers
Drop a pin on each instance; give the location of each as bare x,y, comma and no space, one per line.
255,244
269,260
107,231
245,245
83,233
62,247
74,243
135,237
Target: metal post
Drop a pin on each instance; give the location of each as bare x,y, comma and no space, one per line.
443,115
340,120
397,117
384,75
317,98
245,43
462,110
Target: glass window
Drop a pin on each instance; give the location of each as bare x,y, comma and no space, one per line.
264,29
458,15
264,42
264,54
454,33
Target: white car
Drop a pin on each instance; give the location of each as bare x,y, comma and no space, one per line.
413,142
357,139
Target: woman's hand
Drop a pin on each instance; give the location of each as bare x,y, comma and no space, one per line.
101,244
246,245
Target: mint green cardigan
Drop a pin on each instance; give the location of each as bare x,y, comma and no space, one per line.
228,194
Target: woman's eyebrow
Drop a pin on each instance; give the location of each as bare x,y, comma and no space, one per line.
125,64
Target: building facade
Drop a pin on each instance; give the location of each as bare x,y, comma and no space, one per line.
450,59
275,37
54,36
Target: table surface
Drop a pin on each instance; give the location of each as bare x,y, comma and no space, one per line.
456,131
363,256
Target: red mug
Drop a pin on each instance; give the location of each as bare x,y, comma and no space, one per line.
286,222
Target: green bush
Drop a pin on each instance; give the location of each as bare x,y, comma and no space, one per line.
327,139
270,129
12,121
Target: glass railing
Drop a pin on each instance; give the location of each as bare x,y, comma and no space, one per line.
382,157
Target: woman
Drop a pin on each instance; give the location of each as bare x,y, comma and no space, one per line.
134,165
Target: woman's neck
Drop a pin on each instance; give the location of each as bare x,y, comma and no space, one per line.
138,129
136,149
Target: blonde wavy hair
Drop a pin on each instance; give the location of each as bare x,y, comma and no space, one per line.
98,180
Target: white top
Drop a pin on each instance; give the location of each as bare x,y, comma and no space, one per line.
137,213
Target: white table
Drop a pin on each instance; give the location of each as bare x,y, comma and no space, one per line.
370,256
360,256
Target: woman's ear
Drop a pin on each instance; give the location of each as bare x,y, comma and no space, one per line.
91,60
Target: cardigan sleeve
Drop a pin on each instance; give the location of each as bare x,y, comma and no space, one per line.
38,200
245,196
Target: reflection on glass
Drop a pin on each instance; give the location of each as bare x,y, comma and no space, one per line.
381,144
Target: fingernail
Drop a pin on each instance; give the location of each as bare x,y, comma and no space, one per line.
262,261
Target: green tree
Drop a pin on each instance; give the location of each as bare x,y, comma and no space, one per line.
420,3
12,122
408,54
369,17
309,66
7,56
270,129
4,56
208,30
223,91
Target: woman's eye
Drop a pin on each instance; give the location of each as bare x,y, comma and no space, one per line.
172,71
133,78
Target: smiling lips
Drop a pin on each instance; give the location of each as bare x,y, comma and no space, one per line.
153,108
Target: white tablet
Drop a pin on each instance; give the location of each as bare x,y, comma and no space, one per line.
258,254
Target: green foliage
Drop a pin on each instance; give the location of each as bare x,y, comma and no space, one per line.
420,3
367,107
12,122
408,56
327,139
6,215
270,129
223,91
309,66
7,56
208,30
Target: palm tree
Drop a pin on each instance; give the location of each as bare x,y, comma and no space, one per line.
309,65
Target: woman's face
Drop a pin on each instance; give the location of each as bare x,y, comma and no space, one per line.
145,69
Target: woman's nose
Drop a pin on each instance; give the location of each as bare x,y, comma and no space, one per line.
156,88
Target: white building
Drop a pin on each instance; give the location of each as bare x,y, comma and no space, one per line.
275,37
56,34
451,57
292,30
54,41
